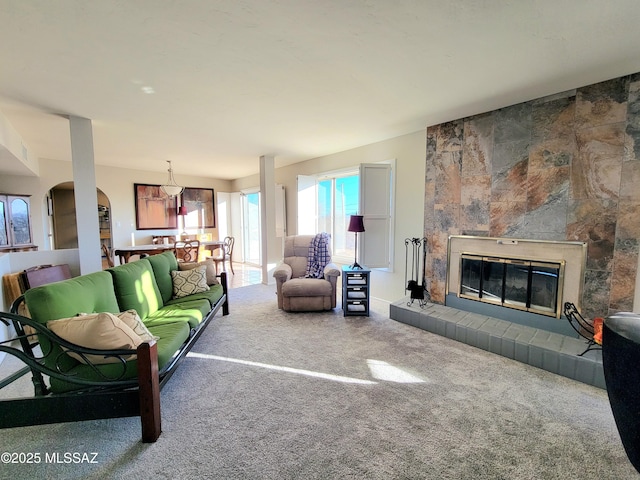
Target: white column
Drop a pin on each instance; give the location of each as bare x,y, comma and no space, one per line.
271,249
86,196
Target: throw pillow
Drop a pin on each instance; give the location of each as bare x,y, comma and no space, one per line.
133,321
189,282
102,331
211,269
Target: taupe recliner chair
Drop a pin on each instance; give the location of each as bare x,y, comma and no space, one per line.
297,293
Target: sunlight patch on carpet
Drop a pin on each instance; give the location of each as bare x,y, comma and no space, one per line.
308,373
387,372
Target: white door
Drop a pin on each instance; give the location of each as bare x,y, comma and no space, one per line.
251,228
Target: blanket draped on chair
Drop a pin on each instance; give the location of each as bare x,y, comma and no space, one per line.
319,256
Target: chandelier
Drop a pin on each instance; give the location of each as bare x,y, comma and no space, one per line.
171,188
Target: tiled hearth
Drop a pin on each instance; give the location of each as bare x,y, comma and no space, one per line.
540,348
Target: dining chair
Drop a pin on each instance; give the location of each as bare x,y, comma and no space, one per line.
187,250
168,239
224,253
107,254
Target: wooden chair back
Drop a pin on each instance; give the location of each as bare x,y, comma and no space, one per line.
228,246
187,250
160,239
43,274
107,253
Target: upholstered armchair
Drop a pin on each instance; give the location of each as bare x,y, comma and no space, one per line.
296,292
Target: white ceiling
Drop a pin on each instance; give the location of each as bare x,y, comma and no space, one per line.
297,79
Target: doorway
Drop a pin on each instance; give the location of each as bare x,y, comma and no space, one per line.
64,226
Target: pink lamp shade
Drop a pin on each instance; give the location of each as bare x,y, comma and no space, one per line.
356,224
182,210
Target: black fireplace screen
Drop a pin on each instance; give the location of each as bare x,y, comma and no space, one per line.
528,285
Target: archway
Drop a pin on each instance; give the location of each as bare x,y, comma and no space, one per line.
64,228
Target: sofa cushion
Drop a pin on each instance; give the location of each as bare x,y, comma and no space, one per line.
212,295
171,338
189,282
163,264
191,312
102,331
136,287
89,293
211,269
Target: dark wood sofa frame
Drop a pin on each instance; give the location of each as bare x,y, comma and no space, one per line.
108,398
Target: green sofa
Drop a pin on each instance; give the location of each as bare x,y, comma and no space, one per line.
122,382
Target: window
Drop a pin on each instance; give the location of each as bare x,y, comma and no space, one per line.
337,201
326,201
325,204
15,221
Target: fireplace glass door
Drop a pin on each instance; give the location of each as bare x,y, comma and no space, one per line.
514,283
492,280
544,287
470,278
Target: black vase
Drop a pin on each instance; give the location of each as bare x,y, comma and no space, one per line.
621,362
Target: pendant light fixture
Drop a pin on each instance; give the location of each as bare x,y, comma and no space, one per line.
171,188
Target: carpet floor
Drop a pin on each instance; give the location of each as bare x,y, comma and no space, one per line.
270,395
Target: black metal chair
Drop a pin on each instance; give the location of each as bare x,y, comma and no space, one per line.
583,327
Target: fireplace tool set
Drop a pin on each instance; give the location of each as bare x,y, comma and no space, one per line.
416,285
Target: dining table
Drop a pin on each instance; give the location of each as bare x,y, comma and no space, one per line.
212,245
125,253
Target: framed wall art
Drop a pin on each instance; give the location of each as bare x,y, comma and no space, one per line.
155,210
200,208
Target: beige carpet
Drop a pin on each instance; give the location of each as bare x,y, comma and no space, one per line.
271,395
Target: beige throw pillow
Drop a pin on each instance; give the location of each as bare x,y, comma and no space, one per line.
189,282
211,269
102,331
133,321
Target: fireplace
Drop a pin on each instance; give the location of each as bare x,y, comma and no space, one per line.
523,280
523,284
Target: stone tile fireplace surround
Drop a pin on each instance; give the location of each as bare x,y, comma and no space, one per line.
560,168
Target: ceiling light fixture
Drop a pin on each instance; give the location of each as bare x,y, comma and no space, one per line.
171,188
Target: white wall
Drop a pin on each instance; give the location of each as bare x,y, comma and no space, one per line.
409,152
19,261
14,151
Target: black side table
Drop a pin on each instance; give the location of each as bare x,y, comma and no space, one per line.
355,291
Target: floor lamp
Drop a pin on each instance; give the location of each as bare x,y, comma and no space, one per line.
356,225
